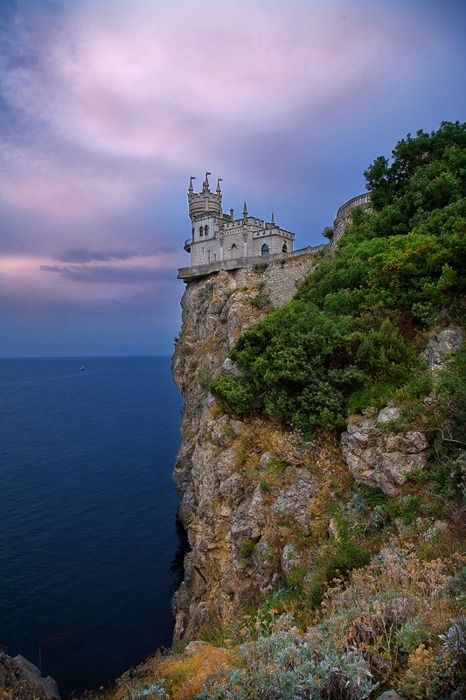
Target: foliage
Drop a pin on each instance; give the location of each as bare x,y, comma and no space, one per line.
154,690
247,548
405,507
454,639
336,558
284,666
261,301
348,338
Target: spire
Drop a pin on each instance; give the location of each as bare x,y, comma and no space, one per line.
205,187
190,188
219,191
245,210
273,218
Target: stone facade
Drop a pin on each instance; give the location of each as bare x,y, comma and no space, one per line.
218,237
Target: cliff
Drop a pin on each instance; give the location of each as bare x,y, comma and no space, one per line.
230,520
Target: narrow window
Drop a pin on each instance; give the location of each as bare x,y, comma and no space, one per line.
284,248
265,249
201,231
234,250
206,230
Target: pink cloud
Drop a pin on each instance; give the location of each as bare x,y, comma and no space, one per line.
149,80
41,279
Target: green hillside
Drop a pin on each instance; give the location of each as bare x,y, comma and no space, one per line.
352,336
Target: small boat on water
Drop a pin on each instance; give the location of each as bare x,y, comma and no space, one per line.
82,368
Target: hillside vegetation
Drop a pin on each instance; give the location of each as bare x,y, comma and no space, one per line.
352,335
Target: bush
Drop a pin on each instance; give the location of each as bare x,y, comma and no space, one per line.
406,508
337,559
284,666
247,548
261,301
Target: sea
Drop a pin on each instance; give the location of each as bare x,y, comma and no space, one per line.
90,553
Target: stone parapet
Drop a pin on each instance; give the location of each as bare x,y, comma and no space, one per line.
190,273
342,218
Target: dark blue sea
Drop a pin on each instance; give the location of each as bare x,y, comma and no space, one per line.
88,538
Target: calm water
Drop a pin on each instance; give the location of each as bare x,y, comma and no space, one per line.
87,513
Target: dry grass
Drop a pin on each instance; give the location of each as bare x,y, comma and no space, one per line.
184,674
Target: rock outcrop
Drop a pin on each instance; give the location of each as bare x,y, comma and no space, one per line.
442,345
231,520
21,680
379,456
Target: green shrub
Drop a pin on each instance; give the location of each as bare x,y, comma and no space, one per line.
406,508
234,393
247,548
336,559
261,301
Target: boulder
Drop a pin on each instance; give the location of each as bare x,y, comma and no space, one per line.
230,368
378,457
289,559
294,502
21,680
441,345
266,459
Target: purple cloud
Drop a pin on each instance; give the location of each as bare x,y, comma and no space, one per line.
85,256
137,274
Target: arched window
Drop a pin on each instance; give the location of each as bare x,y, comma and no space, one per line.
265,249
201,230
284,248
234,250
206,230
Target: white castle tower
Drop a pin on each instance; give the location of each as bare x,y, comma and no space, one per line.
219,241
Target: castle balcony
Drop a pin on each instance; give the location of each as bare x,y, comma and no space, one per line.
189,273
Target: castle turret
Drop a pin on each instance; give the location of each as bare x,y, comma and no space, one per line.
206,203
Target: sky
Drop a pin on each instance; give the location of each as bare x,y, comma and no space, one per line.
107,107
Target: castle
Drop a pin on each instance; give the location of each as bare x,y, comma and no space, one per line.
221,242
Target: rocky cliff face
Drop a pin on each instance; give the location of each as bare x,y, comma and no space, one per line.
21,680
230,517
251,492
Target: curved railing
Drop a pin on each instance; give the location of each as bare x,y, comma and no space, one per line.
360,200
